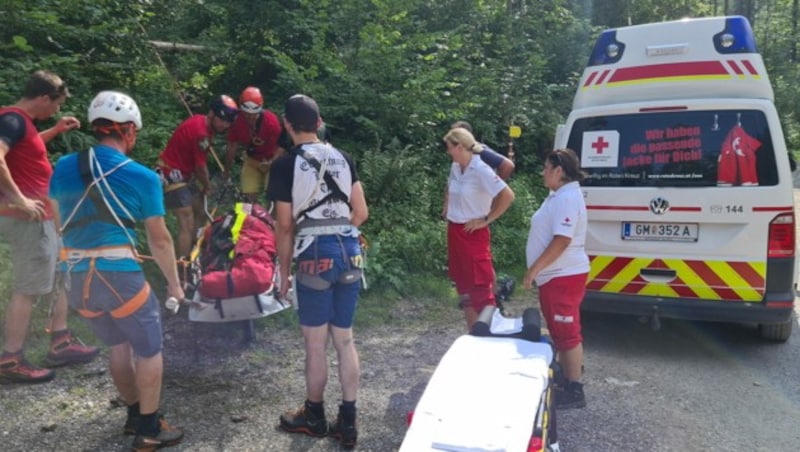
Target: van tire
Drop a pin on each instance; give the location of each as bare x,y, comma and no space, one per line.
778,332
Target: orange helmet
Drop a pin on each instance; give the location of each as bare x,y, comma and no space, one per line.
251,100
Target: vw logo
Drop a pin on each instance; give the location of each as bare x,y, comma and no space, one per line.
659,206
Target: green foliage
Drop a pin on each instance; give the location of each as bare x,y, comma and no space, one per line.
390,76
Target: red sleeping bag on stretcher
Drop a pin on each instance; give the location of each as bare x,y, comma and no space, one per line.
237,256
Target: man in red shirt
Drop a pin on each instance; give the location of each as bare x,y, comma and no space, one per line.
186,156
257,130
27,224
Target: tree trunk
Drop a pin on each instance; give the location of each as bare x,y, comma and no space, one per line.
793,54
179,46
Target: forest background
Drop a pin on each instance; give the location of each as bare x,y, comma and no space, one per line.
390,76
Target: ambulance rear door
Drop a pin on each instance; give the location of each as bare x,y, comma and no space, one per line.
689,205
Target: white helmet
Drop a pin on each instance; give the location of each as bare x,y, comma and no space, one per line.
116,107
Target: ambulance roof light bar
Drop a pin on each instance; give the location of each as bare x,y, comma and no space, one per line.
736,37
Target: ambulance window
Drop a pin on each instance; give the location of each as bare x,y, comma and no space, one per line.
676,149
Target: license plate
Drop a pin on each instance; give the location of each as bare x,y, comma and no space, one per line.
661,232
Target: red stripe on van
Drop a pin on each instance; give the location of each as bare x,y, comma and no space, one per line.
608,272
682,289
693,68
787,209
657,263
672,108
642,208
735,67
747,273
603,76
714,282
635,286
749,67
590,78
627,208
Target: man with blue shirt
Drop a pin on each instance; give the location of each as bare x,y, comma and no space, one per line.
101,194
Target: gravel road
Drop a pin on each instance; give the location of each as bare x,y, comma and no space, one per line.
688,387
229,397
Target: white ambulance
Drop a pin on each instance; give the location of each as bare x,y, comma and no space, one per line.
689,188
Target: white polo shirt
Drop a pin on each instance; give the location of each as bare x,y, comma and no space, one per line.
470,194
562,213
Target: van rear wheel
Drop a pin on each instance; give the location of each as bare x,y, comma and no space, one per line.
778,332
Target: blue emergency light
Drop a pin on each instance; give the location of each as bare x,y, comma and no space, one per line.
607,50
737,37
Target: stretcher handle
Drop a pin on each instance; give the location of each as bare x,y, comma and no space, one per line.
172,304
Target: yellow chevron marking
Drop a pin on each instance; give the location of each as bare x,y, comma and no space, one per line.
734,281
694,282
692,279
598,264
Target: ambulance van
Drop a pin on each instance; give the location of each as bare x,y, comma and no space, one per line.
688,183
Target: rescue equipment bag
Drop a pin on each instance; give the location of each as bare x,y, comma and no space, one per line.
237,256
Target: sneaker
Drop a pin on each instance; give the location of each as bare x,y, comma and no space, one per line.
67,350
571,396
167,437
344,432
14,368
304,421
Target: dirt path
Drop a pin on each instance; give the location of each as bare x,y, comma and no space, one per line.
228,396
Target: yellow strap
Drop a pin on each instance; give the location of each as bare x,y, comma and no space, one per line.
236,229
171,187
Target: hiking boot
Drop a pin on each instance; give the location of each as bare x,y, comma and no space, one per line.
559,380
167,436
344,432
67,349
304,421
14,368
570,396
131,424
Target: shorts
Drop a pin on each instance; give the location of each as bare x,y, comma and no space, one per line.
34,250
334,260
560,300
142,329
469,263
177,198
254,176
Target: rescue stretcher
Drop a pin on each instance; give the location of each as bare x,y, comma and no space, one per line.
492,391
234,296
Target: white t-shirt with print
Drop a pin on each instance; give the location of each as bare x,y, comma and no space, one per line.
562,213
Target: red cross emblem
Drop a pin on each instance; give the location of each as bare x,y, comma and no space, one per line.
600,144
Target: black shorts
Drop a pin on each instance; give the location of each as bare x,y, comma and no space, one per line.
177,198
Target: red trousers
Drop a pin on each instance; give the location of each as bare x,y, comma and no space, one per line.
560,299
469,260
